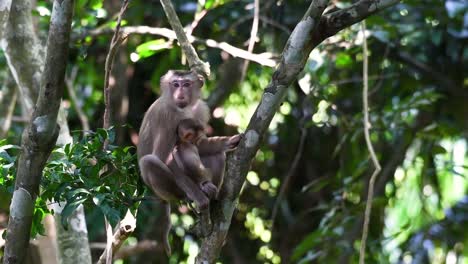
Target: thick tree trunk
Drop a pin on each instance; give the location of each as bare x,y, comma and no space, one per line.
41,133
25,59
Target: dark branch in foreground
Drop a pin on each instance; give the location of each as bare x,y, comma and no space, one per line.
40,135
305,37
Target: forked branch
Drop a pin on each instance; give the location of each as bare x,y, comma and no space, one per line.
194,61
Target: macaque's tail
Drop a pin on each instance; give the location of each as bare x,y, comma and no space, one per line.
167,228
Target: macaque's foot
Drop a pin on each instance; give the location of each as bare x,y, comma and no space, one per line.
209,189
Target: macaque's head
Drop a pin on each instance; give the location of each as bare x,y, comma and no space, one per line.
181,87
189,131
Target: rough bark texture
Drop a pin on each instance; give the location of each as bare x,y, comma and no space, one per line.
25,59
8,96
309,32
41,133
22,51
4,13
69,250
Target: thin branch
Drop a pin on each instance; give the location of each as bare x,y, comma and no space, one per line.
292,170
125,229
117,39
264,59
4,13
113,241
69,82
264,19
253,37
194,61
8,98
338,20
140,247
375,161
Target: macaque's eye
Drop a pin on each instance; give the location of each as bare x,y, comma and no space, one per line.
176,85
186,84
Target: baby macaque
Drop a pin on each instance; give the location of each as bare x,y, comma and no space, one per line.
190,133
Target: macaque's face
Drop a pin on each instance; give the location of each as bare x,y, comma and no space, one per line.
190,135
183,91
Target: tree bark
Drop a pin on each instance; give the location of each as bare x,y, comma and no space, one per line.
41,133
25,59
8,96
5,6
309,32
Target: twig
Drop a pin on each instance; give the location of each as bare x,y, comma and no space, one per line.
113,242
125,229
253,36
375,161
194,61
142,246
8,98
117,39
288,177
264,59
264,19
74,99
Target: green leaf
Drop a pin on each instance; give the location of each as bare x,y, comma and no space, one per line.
113,216
69,208
306,244
343,60
150,48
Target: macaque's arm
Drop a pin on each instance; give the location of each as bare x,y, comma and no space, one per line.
212,145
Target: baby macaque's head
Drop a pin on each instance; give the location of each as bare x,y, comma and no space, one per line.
189,130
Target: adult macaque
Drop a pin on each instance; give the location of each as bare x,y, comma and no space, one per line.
180,99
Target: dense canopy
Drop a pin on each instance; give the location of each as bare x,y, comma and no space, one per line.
288,74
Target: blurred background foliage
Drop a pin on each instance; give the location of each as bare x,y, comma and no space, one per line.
418,109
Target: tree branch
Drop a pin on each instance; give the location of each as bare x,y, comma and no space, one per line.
253,37
194,61
74,99
117,39
125,229
306,36
8,96
375,161
338,20
127,225
22,52
41,134
294,57
264,59
5,6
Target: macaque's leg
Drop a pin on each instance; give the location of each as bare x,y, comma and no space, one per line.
171,185
187,157
216,164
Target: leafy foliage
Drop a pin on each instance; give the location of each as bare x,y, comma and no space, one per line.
85,173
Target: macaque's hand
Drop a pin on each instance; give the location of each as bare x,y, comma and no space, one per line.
209,189
233,141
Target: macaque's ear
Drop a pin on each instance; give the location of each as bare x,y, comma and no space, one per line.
199,78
